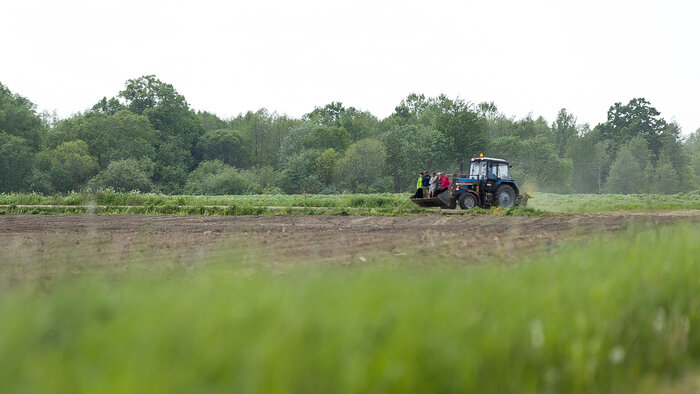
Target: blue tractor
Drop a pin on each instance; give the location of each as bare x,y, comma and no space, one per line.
488,184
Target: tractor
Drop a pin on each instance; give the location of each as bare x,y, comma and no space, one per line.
488,184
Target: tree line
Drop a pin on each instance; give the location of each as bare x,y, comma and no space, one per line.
147,138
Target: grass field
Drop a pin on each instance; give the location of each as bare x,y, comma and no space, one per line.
591,203
343,204
111,198
617,314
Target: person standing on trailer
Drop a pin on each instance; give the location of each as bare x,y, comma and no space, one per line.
419,187
433,185
426,183
445,181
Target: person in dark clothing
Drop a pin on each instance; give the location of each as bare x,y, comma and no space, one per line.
426,183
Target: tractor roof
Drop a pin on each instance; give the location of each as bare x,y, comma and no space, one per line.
488,158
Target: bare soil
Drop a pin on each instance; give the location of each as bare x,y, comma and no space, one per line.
96,239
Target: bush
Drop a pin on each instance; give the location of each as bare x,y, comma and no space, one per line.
215,177
125,176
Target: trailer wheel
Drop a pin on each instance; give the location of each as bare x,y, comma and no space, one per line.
467,201
505,196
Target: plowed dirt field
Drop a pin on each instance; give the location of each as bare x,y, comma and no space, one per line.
106,239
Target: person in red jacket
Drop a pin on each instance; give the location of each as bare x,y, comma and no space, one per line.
444,181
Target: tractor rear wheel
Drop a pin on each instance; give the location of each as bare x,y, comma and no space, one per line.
505,196
468,201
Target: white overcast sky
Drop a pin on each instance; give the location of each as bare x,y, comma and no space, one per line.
229,57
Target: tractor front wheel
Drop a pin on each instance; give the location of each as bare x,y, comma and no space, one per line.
505,196
468,201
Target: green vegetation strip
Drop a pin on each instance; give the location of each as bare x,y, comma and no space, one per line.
234,210
340,204
109,202
112,198
619,315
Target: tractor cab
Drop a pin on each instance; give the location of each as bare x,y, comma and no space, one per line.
486,168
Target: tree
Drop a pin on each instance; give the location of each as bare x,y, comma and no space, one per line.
15,163
528,127
120,136
125,176
215,177
590,163
692,150
178,126
463,129
411,109
663,178
628,173
210,121
279,127
294,142
68,167
417,109
672,150
265,179
225,145
298,175
18,117
264,135
362,167
66,130
172,164
535,162
359,124
148,93
640,150
499,125
326,165
307,137
411,149
329,115
637,118
488,110
624,172
565,129
107,107
323,137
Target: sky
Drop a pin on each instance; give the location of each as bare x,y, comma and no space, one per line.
229,57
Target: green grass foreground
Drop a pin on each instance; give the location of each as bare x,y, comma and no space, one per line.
618,315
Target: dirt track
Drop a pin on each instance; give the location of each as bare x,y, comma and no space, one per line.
33,239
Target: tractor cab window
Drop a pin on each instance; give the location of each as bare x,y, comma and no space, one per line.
499,170
478,168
